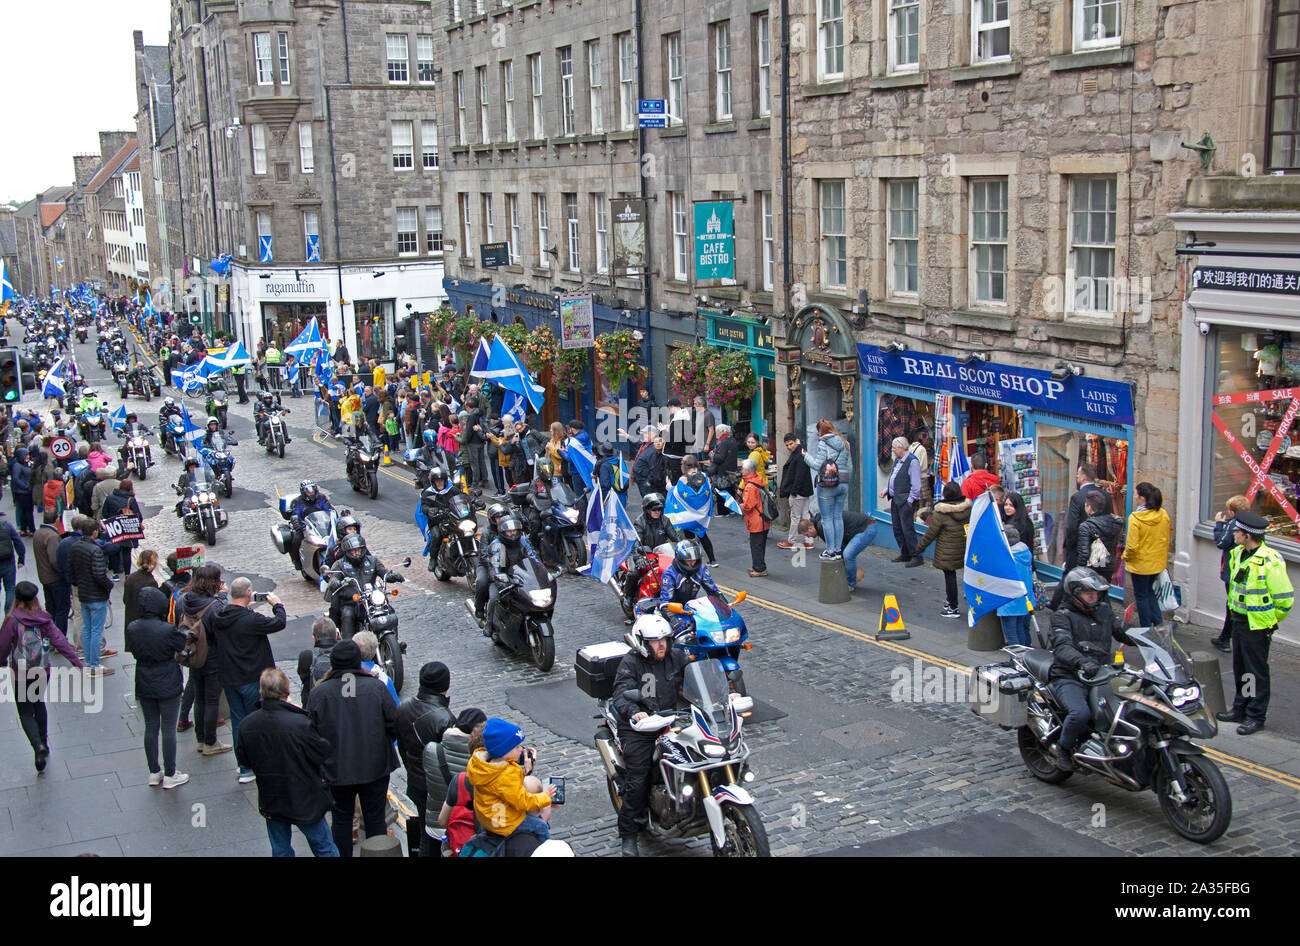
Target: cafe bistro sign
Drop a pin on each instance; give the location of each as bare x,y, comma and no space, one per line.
1090,398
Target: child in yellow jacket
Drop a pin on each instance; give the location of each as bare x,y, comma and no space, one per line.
506,799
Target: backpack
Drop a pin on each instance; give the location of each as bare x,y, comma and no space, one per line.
195,654
31,650
319,667
768,508
460,823
829,474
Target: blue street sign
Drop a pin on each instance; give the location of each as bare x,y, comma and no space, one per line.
652,121
651,106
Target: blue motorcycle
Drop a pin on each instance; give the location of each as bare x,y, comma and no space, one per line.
563,536
171,434
714,630
222,463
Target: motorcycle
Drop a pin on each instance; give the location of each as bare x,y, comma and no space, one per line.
218,405
563,538
200,509
171,434
91,426
640,576
457,554
276,435
716,632
372,613
316,530
82,333
135,453
363,465
219,460
140,381
701,762
520,617
1143,723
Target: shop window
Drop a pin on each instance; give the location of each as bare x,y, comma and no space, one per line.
910,417
374,318
1250,430
982,426
1060,451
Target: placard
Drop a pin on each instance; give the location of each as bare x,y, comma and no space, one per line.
629,216
124,528
189,557
577,321
715,240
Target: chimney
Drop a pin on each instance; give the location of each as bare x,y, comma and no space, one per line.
138,36
84,167
110,142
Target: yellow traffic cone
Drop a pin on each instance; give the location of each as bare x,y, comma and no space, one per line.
387,458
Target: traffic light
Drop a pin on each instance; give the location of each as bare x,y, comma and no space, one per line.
11,377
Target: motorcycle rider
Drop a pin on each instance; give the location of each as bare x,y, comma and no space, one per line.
89,404
483,572
1080,638
266,403
309,499
685,579
132,427
169,413
214,428
508,549
355,562
346,525
654,669
185,482
652,527
539,497
435,501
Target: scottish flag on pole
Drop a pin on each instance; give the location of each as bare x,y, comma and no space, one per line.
480,366
148,304
991,577
220,265
234,356
615,542
505,368
580,459
622,476
690,509
193,432
190,379
595,519
53,386
513,405
117,419
958,465
308,340
7,291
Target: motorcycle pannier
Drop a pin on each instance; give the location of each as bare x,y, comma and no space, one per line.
596,666
998,693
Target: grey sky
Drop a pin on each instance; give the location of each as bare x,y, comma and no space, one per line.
66,73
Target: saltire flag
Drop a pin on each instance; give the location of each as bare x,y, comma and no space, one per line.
991,578
53,386
690,509
622,475
308,340
730,502
313,247
505,369
334,533
958,465
580,459
264,249
148,304
221,265
422,522
324,367
193,432
117,419
191,379
6,287
233,356
616,541
480,366
513,405
595,520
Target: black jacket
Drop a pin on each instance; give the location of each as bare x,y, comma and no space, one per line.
796,477
648,467
308,671
286,753
441,762
136,582
88,571
359,725
119,501
654,532
420,720
1075,513
723,458
154,643
1107,527
667,674
1076,637
243,651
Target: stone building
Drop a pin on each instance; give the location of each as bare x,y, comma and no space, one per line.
979,253
285,117
538,115
155,123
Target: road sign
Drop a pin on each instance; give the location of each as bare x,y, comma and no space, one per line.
494,254
61,448
652,113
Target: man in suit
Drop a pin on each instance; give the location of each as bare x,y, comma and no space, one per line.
1074,517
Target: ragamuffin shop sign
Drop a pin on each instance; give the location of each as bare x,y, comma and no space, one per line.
1090,398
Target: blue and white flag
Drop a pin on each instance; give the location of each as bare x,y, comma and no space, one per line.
264,249
729,501
422,522
480,365
991,577
690,509
505,368
513,405
308,340
616,541
958,465
54,386
7,291
313,247
117,419
220,265
234,356
191,378
580,459
324,367
148,304
193,432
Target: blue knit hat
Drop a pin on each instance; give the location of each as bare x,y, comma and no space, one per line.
499,737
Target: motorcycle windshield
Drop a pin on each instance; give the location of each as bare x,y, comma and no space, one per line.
562,493
317,525
460,507
705,687
710,613
530,575
1163,658
218,443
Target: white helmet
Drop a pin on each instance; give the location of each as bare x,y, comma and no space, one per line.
649,627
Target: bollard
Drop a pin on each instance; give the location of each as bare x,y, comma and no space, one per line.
986,635
386,845
1207,672
834,587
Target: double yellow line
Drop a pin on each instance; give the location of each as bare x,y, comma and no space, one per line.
319,436
1250,768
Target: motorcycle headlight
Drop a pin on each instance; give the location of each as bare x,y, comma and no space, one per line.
713,751
376,597
466,528
364,456
1181,696
571,515
540,597
207,497
733,635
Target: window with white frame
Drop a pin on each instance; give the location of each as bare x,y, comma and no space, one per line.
484,130
535,76
595,88
904,38
429,145
543,233
571,230
769,241
489,230
676,78
257,134
433,229
721,47
466,228
424,58
262,60
904,237
626,82
763,60
681,261
1097,24
456,15
833,227
512,211
830,39
988,241
265,253
403,147
567,126
990,30
283,42
458,80
398,58
306,156
508,98
311,236
1091,274
408,231
600,215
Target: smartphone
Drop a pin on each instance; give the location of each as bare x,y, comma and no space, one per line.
558,782
260,595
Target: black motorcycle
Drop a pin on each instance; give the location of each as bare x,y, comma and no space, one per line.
200,511
457,554
277,435
141,382
520,617
135,454
561,537
366,607
363,465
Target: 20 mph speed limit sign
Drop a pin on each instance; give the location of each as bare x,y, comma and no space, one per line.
61,447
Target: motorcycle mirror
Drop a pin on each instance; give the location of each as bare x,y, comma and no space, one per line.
741,597
674,608
406,562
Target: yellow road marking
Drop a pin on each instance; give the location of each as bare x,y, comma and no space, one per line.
1250,768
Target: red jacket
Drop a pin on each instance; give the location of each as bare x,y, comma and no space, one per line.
975,484
751,504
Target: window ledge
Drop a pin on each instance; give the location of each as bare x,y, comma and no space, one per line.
985,70
513,268
897,309
836,87
676,285
481,148
477,18
567,276
973,318
541,271
627,135
673,131
506,145
564,140
761,298
720,128
1093,58
759,124
460,149
534,142
465,262
1091,332
594,138
902,80
725,292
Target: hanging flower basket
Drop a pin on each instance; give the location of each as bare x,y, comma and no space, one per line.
462,337
439,325
618,356
688,369
538,350
729,380
570,367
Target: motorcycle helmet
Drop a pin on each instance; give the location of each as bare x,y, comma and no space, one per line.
191,463
649,627
1085,579
653,502
354,547
545,469
511,530
308,490
687,556
132,418
495,511
438,473
169,402
213,424
89,392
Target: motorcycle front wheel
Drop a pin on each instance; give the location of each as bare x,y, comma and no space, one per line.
390,655
227,484
281,449
210,533
575,553
1208,811
542,649
746,836
372,484
1037,759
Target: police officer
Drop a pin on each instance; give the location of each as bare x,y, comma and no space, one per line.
238,372
1259,597
273,358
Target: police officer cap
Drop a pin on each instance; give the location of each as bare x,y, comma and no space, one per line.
1251,523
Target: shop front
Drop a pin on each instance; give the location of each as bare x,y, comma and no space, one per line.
1032,427
757,415
1240,396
